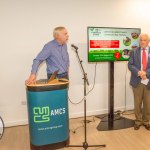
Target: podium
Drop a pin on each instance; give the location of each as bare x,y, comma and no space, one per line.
48,114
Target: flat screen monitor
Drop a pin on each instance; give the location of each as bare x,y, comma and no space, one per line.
111,43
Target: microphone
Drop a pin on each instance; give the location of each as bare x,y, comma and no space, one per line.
75,47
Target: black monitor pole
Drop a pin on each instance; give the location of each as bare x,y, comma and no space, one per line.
111,95
85,143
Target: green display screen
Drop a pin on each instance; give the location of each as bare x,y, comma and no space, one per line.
111,44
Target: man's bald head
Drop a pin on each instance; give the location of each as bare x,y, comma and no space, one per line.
144,40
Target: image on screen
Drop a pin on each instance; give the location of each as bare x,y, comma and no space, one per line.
111,44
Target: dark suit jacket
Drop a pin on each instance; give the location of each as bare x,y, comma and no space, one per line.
134,66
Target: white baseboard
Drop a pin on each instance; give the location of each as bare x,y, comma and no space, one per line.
73,115
16,123
98,112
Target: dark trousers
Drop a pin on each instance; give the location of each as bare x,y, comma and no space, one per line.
141,99
63,75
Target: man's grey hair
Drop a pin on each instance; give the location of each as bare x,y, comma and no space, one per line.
143,34
57,30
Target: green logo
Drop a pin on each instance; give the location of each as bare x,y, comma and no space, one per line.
41,114
92,29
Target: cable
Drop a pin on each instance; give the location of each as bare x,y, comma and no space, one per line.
125,112
74,131
125,95
125,108
94,79
88,121
119,112
76,103
119,118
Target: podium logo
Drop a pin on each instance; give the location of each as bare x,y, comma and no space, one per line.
41,114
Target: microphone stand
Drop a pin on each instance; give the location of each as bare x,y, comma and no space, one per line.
85,143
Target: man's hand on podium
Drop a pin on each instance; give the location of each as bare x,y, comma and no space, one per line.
31,79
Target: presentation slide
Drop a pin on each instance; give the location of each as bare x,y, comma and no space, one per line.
111,44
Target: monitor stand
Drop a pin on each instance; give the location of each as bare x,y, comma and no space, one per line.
112,121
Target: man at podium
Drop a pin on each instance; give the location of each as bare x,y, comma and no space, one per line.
55,54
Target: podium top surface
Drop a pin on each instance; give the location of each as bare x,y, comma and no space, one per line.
44,85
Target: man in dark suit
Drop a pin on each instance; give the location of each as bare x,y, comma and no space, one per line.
139,65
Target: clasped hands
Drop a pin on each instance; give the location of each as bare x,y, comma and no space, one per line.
142,74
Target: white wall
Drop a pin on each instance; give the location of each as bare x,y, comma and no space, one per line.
27,25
